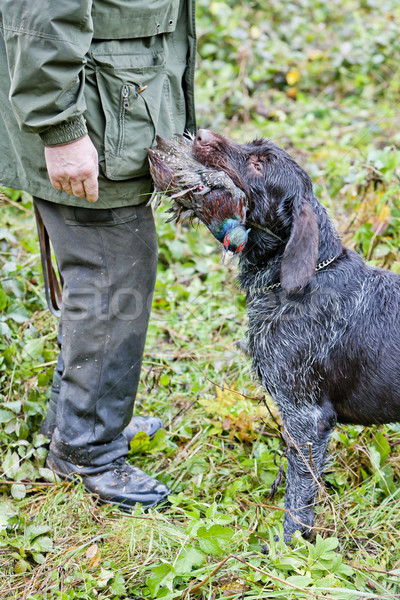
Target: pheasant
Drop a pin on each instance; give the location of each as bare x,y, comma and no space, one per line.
198,192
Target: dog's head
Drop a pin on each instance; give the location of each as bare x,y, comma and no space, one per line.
280,198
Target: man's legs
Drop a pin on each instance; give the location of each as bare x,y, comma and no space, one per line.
149,425
108,260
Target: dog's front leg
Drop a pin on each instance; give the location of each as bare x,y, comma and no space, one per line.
307,431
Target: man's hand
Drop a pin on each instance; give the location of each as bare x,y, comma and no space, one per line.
74,168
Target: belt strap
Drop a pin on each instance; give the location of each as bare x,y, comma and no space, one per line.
52,284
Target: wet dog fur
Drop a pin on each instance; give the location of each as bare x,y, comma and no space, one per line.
324,327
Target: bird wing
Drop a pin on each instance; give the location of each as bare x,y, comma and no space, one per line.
197,191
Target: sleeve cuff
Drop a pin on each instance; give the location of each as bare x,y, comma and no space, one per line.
65,132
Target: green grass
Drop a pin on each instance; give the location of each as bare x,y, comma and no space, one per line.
322,80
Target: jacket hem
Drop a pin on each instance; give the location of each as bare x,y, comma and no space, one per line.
125,193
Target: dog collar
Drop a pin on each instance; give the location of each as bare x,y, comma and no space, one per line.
274,286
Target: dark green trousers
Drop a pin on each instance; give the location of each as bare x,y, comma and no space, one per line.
108,259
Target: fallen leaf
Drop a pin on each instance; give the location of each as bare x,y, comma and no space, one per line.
93,555
292,77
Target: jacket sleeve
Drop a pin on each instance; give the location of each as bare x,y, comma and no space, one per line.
46,43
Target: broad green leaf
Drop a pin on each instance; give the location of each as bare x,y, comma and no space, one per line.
326,581
289,563
300,580
6,415
18,313
39,440
3,299
48,475
22,430
323,546
18,491
10,267
34,531
158,441
42,544
38,557
14,405
10,464
21,566
118,585
214,540
375,458
382,446
5,330
161,576
7,512
164,380
331,563
347,571
7,234
189,558
12,426
105,576
195,524
33,349
140,443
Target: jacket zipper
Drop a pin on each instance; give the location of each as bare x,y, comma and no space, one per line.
125,95
121,118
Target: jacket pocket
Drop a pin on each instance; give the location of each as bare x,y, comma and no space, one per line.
114,19
99,217
137,105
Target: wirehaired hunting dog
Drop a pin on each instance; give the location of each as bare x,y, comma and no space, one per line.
324,328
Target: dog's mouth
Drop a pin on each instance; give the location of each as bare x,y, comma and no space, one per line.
206,147
209,148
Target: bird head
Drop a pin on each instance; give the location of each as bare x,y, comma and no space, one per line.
235,238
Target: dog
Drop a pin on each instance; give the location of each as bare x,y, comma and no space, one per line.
324,328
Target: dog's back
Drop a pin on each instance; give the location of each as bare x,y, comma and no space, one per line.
363,366
338,340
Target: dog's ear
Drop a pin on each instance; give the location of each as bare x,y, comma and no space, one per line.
301,253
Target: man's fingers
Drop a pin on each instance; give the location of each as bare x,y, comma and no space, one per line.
56,183
66,186
62,184
87,188
73,168
91,187
78,189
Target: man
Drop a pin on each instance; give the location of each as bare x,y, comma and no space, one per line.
94,82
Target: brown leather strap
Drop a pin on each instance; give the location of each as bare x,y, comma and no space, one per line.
52,285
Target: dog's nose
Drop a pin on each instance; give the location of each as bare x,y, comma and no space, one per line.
204,136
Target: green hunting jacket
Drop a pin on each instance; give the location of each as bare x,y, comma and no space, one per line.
121,70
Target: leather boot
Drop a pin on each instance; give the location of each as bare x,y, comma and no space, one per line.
120,484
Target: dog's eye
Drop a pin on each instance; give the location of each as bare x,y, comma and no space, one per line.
257,167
